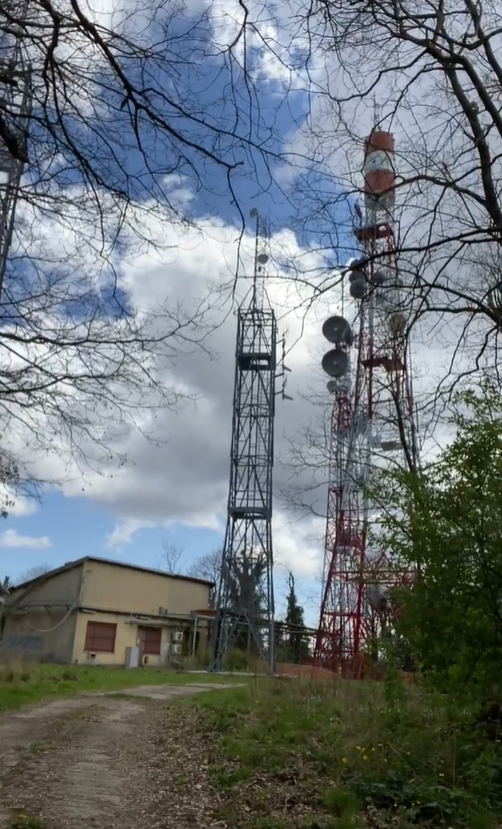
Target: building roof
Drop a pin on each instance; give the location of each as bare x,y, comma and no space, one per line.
113,563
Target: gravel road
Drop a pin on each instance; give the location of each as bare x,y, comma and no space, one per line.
106,761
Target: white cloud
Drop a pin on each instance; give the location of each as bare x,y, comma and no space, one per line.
11,538
298,544
274,46
123,533
182,475
19,505
185,475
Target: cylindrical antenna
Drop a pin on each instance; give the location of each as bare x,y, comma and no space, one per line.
260,259
254,215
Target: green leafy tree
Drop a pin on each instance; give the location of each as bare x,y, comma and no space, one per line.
446,524
297,645
281,644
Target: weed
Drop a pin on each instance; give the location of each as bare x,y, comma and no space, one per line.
69,676
344,748
27,822
341,802
228,779
38,748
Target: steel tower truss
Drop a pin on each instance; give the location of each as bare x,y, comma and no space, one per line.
372,424
15,109
245,606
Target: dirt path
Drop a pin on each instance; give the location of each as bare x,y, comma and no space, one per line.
105,761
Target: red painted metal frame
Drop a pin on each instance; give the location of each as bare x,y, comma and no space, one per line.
347,626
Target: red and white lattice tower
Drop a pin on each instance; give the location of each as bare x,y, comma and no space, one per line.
372,421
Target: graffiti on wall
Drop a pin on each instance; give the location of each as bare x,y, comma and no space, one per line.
33,644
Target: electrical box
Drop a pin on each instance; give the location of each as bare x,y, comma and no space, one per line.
166,652
132,657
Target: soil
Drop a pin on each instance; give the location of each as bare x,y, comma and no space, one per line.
106,761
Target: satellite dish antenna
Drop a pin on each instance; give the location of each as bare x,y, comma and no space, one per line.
335,363
262,258
332,386
337,330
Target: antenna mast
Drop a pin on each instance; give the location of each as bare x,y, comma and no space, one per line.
372,419
245,604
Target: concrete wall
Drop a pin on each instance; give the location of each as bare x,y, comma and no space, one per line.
40,634
43,632
63,589
107,587
127,637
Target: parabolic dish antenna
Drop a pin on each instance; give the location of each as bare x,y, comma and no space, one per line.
335,363
337,330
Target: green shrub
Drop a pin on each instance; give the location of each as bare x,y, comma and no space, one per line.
237,660
341,802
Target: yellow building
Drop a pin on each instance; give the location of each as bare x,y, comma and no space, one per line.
95,611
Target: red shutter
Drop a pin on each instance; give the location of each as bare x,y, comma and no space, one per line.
150,640
100,637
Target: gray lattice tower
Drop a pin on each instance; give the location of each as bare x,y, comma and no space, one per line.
15,109
245,607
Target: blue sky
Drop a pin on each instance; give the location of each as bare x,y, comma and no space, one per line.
178,490
76,527
69,528
65,525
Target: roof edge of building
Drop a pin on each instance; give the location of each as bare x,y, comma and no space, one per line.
70,565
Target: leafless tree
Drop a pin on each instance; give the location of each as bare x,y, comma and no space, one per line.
33,573
208,567
116,109
431,72
305,462
119,126
170,558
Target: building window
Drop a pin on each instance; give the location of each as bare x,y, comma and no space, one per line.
100,637
150,639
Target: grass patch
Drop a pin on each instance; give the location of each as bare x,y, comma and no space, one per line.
342,754
26,822
24,684
38,748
